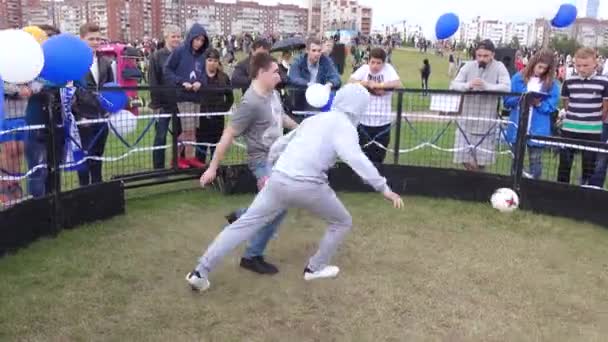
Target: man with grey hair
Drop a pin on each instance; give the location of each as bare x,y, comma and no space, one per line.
163,100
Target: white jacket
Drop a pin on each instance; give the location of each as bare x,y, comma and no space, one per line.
308,152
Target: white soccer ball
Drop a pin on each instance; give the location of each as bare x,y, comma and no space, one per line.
505,200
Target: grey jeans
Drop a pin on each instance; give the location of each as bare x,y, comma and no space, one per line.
280,193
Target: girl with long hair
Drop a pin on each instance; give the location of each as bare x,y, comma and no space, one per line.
539,77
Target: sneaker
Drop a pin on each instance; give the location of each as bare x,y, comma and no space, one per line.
197,282
232,217
5,201
11,190
195,163
182,164
259,265
595,187
325,272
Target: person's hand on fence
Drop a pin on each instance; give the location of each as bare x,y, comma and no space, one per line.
372,84
477,84
187,85
25,92
208,177
394,198
365,84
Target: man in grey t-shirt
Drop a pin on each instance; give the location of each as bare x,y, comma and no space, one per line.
260,120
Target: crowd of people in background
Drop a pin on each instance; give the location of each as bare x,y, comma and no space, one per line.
583,92
193,66
198,65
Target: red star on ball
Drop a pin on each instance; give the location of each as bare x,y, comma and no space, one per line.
511,202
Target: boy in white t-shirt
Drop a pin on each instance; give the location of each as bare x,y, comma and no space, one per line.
377,76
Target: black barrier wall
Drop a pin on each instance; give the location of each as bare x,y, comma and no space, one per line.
431,143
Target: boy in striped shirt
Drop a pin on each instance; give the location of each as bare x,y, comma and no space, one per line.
585,97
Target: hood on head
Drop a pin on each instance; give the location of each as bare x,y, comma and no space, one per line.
197,30
353,100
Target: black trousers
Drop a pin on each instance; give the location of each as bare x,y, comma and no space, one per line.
210,131
93,138
566,157
379,134
425,82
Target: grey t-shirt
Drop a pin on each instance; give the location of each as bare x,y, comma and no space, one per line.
259,119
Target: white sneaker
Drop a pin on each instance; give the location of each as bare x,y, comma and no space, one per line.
587,186
325,272
197,282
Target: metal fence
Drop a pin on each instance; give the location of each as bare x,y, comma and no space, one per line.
434,128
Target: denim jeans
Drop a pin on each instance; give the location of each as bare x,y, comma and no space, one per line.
599,176
36,145
535,154
162,127
93,138
257,244
35,154
160,139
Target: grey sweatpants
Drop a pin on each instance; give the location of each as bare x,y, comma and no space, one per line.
280,193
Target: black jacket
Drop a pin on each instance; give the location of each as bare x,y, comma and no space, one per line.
240,75
163,93
217,101
86,103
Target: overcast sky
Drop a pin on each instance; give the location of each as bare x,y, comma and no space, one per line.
426,12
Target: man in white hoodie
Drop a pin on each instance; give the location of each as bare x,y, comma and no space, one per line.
299,179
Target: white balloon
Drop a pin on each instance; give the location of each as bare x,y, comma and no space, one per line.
317,95
22,58
124,122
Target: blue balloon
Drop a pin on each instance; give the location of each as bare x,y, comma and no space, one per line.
446,26
66,58
113,101
566,16
327,107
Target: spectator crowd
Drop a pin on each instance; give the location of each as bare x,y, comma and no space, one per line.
188,75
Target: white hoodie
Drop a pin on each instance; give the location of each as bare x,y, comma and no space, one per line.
308,152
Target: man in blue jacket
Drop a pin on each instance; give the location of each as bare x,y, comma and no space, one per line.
186,69
310,68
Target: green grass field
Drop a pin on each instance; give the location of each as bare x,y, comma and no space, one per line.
438,270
